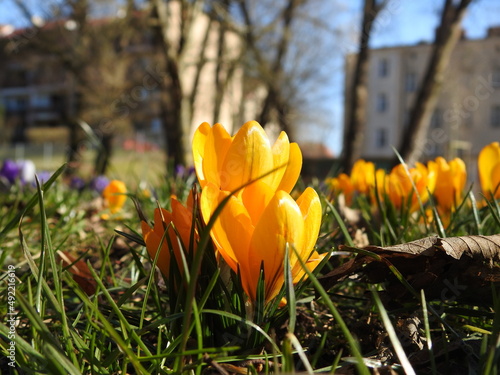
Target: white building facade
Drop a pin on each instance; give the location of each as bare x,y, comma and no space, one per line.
467,116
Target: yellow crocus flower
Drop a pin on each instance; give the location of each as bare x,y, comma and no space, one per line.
230,162
400,185
488,164
342,185
254,231
262,219
450,181
114,195
363,176
181,219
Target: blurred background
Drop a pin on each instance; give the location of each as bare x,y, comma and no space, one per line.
118,87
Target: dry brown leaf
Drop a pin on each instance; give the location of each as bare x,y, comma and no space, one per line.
437,265
479,247
80,271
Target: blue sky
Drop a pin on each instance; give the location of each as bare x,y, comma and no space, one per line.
406,22
403,22
409,21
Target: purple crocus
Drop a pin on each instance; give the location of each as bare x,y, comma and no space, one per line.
99,183
180,170
10,170
77,183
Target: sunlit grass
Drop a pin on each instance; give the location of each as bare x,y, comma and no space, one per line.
133,323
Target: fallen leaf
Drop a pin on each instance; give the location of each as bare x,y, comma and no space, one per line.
446,268
479,247
80,271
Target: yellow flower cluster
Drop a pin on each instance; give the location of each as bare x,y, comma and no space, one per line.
489,170
404,186
260,219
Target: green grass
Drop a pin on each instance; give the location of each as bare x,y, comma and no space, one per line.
137,323
124,165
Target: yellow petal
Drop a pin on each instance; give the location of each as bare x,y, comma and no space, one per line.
182,219
233,228
423,183
281,223
459,174
281,155
115,195
363,175
249,157
199,142
311,264
217,144
495,181
488,158
397,185
153,237
310,207
381,182
443,190
458,178
256,197
293,168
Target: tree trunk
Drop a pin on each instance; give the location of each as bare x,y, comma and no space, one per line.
447,35
73,155
174,131
221,48
172,96
356,111
104,154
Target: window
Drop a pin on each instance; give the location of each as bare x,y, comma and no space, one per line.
15,103
41,101
495,116
406,118
382,102
411,82
437,118
381,138
495,79
383,68
468,120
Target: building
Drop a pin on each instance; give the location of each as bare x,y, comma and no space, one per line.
39,94
467,116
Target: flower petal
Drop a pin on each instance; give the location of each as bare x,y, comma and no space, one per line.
281,223
233,228
292,171
154,236
199,142
249,157
363,175
256,197
495,181
183,220
310,207
488,158
281,155
115,195
313,261
217,144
